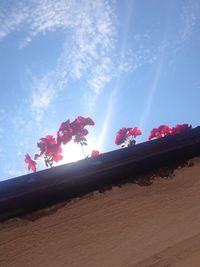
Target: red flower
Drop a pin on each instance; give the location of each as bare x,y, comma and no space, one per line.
135,132
64,125
125,133
164,130
57,157
84,132
75,128
31,163
65,133
161,131
50,148
181,128
121,136
95,153
47,144
85,121
119,139
64,137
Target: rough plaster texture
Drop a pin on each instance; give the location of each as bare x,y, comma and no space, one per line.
132,225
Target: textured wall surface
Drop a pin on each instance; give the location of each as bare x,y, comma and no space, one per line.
132,225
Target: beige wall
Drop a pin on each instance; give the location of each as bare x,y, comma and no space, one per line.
156,225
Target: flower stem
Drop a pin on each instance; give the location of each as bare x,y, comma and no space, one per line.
83,150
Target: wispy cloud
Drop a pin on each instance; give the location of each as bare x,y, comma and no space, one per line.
87,53
43,91
88,50
12,17
34,17
188,19
92,47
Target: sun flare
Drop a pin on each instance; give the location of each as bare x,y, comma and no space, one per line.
73,152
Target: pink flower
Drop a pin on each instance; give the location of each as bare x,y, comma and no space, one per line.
64,137
165,130
135,132
161,131
179,128
75,129
64,125
119,139
50,148
85,121
56,157
31,163
65,133
95,153
121,136
126,133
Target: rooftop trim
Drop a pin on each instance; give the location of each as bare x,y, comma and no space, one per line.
34,191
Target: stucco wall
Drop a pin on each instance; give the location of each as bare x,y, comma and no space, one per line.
132,225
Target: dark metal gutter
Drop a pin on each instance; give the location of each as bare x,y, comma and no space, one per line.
38,190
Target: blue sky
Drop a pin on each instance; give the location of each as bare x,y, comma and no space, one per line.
124,63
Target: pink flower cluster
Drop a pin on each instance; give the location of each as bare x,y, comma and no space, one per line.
74,129
95,153
127,135
164,130
50,147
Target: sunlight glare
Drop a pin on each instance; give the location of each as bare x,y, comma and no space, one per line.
73,152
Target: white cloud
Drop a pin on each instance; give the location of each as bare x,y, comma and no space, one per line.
89,50
134,59
188,20
11,17
34,16
87,53
43,92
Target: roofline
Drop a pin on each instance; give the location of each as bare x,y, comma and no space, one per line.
34,191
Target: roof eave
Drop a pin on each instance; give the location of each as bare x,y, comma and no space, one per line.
41,189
